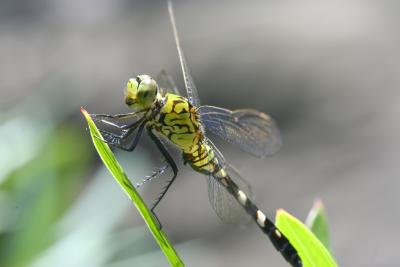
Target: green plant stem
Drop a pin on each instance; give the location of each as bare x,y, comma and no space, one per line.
116,170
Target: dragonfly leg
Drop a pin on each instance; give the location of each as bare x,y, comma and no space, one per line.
169,160
103,119
148,178
137,138
157,220
116,141
116,116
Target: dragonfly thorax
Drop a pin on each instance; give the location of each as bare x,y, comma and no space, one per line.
141,92
178,121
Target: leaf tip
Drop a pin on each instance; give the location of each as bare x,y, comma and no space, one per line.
318,204
84,112
280,212
318,207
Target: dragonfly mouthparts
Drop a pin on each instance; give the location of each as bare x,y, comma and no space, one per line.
129,101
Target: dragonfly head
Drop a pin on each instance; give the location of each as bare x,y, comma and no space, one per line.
141,92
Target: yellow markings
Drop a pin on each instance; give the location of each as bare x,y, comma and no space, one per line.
167,108
180,129
170,118
201,160
169,105
173,119
183,140
209,168
182,107
181,125
164,129
223,173
195,147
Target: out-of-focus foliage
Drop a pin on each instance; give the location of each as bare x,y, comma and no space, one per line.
35,195
317,222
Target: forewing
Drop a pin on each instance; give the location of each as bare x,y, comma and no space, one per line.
189,84
253,131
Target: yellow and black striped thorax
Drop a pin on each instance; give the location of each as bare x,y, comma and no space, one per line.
178,120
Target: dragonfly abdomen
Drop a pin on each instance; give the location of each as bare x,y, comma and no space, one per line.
280,242
202,159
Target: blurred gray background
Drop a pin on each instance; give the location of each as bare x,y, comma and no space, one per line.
327,71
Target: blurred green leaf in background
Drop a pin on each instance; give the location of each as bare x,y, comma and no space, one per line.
317,222
35,193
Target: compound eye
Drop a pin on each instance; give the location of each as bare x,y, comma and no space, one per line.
132,85
131,91
141,92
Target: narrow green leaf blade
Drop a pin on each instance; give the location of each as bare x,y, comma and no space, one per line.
311,251
317,222
116,170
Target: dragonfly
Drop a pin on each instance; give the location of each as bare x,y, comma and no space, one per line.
167,116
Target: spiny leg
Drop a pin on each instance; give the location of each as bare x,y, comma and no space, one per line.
104,118
117,116
116,140
148,178
169,160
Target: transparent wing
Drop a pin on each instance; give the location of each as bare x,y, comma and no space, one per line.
189,84
166,82
224,204
118,129
253,131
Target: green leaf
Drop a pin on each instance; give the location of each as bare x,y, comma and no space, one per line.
318,224
311,251
116,170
